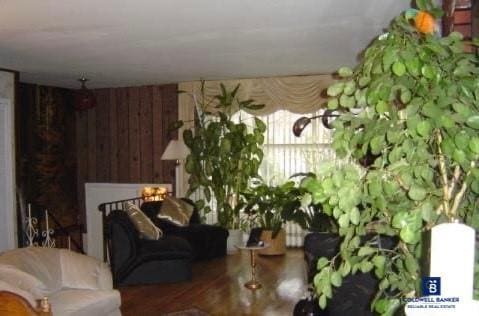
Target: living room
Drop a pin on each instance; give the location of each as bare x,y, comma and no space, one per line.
245,158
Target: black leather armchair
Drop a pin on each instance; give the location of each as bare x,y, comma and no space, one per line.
139,261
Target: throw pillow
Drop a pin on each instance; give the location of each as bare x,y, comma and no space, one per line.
176,211
143,224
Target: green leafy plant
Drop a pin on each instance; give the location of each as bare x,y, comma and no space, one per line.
266,204
224,155
308,215
412,104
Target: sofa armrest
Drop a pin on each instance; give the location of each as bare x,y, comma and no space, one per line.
83,272
4,286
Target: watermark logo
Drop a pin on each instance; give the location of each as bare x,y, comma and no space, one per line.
431,286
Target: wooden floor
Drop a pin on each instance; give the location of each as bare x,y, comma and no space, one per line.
217,288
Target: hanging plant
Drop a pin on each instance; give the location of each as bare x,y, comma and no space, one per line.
413,103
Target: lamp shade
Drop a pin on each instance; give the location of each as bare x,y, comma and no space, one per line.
176,150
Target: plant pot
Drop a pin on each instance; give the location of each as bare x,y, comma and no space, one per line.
235,238
277,246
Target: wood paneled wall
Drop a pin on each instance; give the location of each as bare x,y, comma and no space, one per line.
122,139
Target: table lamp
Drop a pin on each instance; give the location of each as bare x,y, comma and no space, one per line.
176,150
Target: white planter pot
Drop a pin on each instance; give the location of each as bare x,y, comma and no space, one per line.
452,260
235,238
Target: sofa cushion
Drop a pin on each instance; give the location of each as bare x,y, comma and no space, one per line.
176,211
143,224
23,281
72,302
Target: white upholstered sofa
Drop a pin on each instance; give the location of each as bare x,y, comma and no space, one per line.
75,284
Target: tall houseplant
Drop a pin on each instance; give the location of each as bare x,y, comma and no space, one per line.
412,104
224,154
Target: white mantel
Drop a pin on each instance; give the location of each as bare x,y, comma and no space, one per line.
97,193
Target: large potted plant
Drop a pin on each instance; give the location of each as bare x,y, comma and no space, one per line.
265,205
224,156
413,105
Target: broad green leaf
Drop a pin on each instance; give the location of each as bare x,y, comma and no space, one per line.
473,122
336,279
345,72
379,261
365,251
475,186
343,220
411,264
405,96
381,306
335,89
431,110
474,145
424,128
322,262
413,66
399,69
389,57
382,107
260,125
459,156
364,81
400,220
427,212
333,103
417,193
347,101
366,266
428,71
461,140
410,235
377,144
355,216
345,268
322,301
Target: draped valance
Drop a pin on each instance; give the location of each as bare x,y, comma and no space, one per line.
298,94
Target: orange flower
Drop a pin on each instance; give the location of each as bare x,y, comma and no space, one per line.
425,22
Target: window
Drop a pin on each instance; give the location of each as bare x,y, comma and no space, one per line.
286,154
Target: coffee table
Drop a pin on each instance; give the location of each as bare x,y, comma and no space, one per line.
253,284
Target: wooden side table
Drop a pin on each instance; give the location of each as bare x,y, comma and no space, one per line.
252,284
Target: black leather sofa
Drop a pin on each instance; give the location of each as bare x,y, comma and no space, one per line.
138,261
207,241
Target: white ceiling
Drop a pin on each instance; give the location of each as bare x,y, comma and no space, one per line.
135,42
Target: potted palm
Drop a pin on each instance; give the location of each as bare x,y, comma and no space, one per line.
265,205
224,156
413,105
